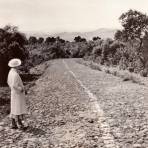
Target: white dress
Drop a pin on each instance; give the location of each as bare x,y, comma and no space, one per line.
18,100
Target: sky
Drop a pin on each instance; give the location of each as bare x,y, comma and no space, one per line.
66,15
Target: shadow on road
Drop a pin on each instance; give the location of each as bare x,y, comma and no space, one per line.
35,131
26,77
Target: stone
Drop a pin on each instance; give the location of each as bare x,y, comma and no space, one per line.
1,128
137,146
2,123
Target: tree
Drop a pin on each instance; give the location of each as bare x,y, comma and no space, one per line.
58,39
19,38
134,25
96,38
105,49
118,35
32,40
145,50
50,40
40,40
83,40
79,39
11,46
10,29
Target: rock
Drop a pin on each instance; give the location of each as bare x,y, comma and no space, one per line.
140,141
137,146
1,128
6,129
2,123
90,120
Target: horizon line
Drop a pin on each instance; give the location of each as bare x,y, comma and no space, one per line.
65,31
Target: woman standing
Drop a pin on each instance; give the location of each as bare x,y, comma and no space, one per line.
18,102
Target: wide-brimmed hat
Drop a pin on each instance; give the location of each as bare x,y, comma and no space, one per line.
14,63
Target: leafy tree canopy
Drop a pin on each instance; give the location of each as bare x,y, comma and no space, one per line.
134,24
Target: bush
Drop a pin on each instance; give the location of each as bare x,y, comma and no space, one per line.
144,73
95,66
107,71
131,69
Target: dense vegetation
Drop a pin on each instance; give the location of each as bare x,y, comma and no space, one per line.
11,46
128,49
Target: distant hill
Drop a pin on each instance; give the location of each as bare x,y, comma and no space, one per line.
103,33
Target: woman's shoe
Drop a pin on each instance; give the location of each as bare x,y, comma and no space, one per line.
22,127
20,124
13,124
14,127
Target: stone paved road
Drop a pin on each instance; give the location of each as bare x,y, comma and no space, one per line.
73,106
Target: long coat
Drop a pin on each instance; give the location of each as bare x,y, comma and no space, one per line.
18,100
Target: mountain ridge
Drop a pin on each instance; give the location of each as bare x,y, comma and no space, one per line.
102,32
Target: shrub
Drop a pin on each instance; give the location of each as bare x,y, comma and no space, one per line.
131,69
144,73
95,66
107,71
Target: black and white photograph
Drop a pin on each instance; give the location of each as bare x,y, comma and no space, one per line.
73,74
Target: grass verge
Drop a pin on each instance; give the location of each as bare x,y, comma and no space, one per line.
124,74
